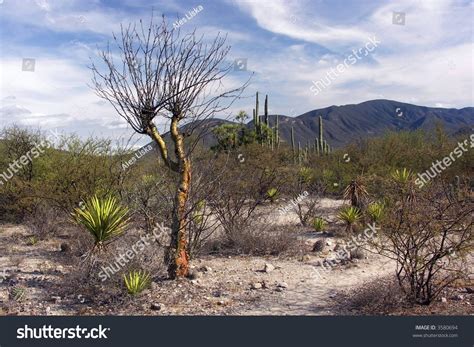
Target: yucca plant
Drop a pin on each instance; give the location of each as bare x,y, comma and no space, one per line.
319,224
375,211
356,193
17,293
104,218
349,215
136,281
272,194
402,176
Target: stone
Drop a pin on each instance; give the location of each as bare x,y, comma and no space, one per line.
194,275
65,248
282,285
458,297
306,257
155,306
256,285
268,268
443,299
318,246
59,268
205,269
470,290
358,253
56,299
328,243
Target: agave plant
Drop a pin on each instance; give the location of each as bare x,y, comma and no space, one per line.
356,193
272,194
305,175
319,224
375,211
17,293
402,176
105,219
136,281
349,215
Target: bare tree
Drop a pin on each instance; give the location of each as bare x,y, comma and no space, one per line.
177,79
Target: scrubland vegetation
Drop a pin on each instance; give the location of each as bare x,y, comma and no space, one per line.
79,191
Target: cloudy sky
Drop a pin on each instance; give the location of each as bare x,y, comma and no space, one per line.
424,54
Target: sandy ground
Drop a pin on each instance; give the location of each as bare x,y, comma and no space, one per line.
234,285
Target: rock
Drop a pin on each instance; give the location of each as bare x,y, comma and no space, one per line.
220,302
59,268
458,297
470,290
278,289
65,248
256,285
268,268
205,269
282,285
56,299
195,282
332,295
194,275
328,243
155,306
217,293
443,299
318,246
358,253
154,286
306,257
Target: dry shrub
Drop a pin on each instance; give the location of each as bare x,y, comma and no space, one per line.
261,240
44,221
380,296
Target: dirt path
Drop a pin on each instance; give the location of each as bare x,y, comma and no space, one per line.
296,288
226,286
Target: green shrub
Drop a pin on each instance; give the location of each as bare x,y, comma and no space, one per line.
136,281
319,224
272,194
375,211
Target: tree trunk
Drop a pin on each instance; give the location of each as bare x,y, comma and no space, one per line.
178,257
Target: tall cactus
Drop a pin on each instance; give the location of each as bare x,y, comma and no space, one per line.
321,144
316,145
266,111
293,140
299,152
277,133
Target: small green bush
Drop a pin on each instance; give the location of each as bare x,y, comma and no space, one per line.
136,281
319,224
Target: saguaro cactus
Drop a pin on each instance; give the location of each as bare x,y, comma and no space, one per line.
293,140
266,111
321,144
277,133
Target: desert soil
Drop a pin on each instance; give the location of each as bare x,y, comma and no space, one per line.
232,285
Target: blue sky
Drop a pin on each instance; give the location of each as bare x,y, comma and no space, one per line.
427,60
